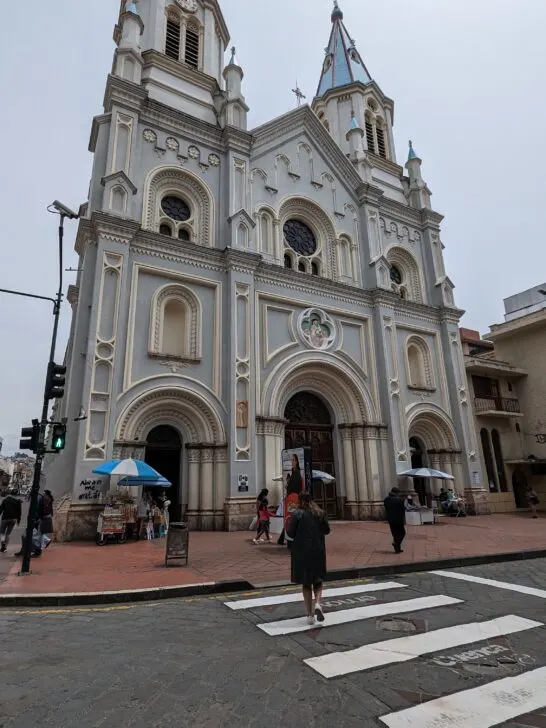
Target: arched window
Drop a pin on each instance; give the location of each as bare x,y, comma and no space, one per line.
192,46
315,270
488,459
175,324
301,267
177,217
175,328
345,266
419,368
499,460
172,37
381,144
370,138
404,274
266,234
288,261
165,229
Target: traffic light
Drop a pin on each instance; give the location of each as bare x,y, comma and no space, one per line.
30,437
58,437
55,380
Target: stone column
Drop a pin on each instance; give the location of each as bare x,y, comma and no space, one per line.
350,508
272,431
373,449
221,487
194,467
362,493
435,462
206,490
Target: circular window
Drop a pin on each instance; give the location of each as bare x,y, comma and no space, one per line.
175,208
300,237
396,275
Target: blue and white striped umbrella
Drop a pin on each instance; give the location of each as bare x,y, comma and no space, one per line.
134,468
130,481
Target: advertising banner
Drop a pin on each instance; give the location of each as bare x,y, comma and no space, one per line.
297,475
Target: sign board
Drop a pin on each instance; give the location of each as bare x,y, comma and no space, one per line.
90,490
242,483
297,477
476,478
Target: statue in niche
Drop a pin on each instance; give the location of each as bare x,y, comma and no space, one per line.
317,328
242,414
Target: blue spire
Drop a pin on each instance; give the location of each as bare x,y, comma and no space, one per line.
411,153
343,64
132,8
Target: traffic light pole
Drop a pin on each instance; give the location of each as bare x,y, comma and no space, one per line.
27,546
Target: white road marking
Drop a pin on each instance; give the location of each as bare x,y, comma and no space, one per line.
297,597
531,591
403,649
289,626
483,707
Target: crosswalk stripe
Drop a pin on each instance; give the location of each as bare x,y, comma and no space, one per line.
298,597
531,591
483,707
403,649
290,626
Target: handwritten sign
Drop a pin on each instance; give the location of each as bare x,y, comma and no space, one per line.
90,490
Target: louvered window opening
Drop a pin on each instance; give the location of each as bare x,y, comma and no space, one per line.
192,48
381,146
369,137
172,43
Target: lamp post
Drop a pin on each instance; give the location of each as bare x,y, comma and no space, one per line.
64,212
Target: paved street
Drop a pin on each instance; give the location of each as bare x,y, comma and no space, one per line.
387,651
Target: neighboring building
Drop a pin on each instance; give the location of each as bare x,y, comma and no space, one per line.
242,291
23,471
521,339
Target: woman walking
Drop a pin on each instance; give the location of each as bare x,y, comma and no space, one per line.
533,501
307,528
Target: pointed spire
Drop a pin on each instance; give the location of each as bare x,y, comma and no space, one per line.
233,60
343,64
411,153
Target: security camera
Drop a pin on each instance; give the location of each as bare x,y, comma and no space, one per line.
64,210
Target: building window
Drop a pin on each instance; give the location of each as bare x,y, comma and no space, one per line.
172,39
191,52
300,237
175,324
315,269
180,218
488,459
301,266
396,275
404,272
370,140
288,262
381,146
165,229
175,208
497,451
419,367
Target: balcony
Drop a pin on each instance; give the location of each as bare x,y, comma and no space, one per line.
491,367
497,407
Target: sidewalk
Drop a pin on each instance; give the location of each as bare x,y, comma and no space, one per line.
215,557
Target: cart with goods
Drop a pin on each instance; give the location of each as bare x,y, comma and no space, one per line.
111,527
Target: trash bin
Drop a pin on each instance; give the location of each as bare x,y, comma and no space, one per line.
178,537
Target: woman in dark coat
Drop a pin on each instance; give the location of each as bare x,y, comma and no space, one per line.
307,528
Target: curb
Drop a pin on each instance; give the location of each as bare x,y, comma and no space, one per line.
241,585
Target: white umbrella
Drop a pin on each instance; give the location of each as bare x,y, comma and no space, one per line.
426,473
317,475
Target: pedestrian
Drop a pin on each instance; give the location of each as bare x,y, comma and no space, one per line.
36,531
396,517
263,523
46,524
260,500
533,500
307,529
10,511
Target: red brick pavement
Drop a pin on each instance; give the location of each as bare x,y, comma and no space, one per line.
77,567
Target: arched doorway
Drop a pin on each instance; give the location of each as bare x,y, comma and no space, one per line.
164,452
418,460
309,424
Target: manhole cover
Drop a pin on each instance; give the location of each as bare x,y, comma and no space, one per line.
397,625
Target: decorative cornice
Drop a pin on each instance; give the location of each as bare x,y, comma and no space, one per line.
153,59
95,127
120,175
171,120
356,86
113,228
370,194
430,219
385,165
241,261
179,251
238,139
125,93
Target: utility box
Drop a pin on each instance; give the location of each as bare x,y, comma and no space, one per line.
178,541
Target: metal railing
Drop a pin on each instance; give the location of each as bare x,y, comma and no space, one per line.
497,404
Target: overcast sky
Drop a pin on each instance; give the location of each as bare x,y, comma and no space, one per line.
466,76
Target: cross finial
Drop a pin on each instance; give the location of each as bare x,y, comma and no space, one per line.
233,59
299,94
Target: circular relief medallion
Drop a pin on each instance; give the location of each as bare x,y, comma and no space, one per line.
300,237
149,135
193,152
317,328
214,160
171,143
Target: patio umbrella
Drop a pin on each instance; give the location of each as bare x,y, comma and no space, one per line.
134,468
426,473
130,481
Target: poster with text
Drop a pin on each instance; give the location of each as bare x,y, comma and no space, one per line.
297,475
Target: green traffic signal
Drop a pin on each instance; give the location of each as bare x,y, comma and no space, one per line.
58,438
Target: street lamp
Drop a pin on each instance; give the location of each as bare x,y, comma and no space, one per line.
50,391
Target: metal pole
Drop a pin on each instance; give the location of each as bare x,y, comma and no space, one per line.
27,548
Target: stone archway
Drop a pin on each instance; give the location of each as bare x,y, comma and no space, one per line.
164,452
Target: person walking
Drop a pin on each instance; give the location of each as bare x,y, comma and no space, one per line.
307,529
10,512
396,517
264,518
46,525
532,499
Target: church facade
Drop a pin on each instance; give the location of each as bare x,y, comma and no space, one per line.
242,291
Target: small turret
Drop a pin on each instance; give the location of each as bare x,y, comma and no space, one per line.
236,108
419,193
128,61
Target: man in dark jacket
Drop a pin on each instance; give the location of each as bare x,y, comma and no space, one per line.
396,517
10,512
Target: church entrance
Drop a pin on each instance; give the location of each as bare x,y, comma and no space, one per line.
164,452
310,424
418,460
